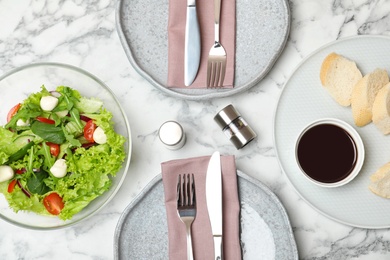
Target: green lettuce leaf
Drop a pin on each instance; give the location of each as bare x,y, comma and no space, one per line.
6,149
90,176
19,201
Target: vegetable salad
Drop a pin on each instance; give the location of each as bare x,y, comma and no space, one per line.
58,152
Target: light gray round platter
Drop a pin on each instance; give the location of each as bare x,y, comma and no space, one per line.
341,203
262,29
142,231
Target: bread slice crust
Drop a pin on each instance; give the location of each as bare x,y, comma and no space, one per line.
381,110
380,181
364,93
339,75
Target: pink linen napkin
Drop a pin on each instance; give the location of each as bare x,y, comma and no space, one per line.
202,238
176,37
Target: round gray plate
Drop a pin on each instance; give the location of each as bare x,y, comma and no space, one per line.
142,231
262,28
304,100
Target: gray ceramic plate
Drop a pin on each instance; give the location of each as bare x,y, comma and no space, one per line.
142,231
262,28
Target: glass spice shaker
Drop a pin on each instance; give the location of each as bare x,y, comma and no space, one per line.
234,126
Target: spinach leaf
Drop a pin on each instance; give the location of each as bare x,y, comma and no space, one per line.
35,183
49,132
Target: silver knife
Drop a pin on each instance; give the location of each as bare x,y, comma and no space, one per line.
192,44
214,201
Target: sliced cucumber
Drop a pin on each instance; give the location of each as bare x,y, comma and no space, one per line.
82,140
89,105
22,140
72,128
20,154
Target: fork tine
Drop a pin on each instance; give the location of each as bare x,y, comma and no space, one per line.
188,185
179,192
212,74
217,73
223,70
193,191
186,190
209,64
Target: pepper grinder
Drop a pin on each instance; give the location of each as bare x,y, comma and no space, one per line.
234,126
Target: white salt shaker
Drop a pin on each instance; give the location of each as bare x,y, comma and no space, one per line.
172,135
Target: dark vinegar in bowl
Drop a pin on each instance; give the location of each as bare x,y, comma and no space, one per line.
327,153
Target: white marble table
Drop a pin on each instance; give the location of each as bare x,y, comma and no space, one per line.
83,33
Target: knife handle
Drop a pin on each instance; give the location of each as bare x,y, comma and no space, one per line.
218,247
192,46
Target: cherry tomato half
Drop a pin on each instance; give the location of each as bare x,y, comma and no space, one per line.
89,128
11,186
20,171
13,111
54,149
53,203
45,120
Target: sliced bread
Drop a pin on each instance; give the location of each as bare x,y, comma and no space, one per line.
380,181
364,93
381,110
339,75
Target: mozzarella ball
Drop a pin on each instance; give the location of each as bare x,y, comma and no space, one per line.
6,173
48,103
99,136
21,122
62,114
59,168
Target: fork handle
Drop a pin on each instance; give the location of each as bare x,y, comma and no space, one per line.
190,255
217,18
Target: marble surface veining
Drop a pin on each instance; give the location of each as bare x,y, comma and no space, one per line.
83,33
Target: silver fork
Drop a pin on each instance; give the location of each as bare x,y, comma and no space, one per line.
216,65
186,206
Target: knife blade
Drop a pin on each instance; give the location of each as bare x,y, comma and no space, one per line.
214,201
192,44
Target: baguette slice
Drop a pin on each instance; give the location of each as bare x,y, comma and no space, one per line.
364,93
381,110
380,181
339,75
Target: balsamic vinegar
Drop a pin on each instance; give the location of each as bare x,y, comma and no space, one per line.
327,153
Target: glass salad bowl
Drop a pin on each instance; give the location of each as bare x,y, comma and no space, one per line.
17,85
